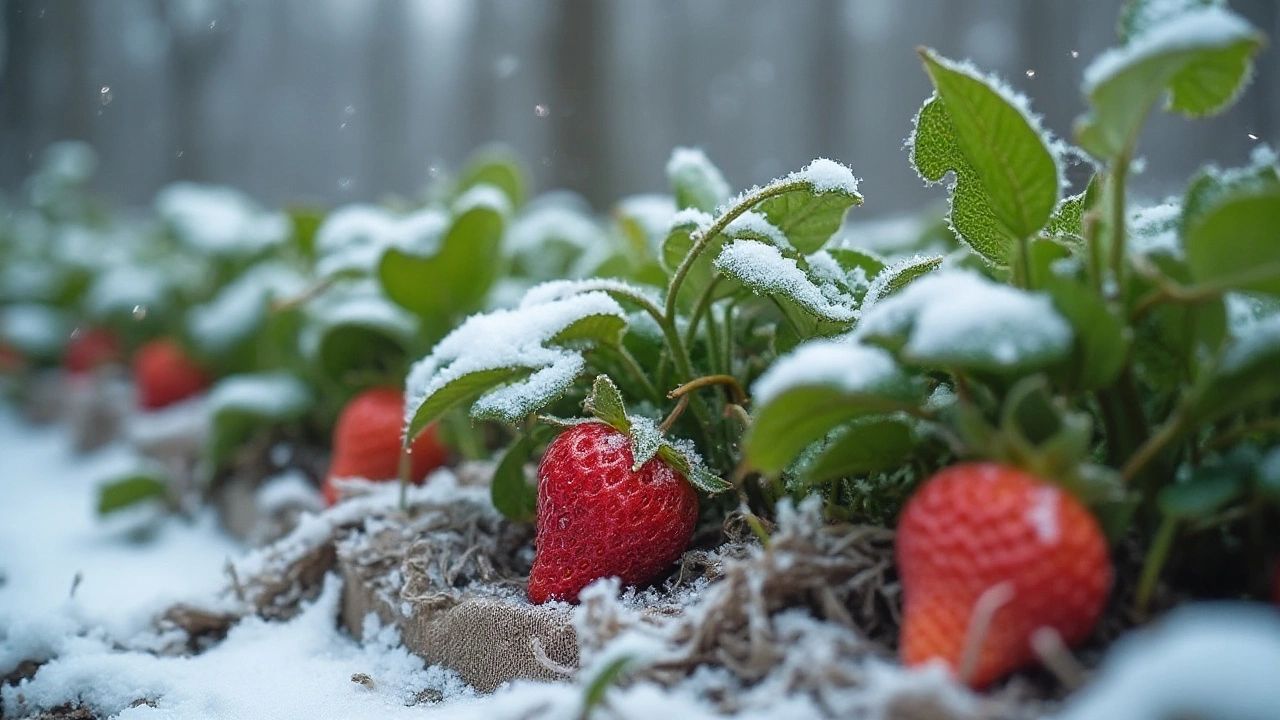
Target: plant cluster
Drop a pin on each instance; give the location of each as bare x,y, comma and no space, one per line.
1125,355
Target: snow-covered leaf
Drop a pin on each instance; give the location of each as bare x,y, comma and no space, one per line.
958,319
242,404
455,278
695,181
1246,373
809,216
509,363
241,307
37,330
764,270
815,388
1006,177
605,402
692,468
892,278
220,221
1198,54
498,167
352,240
354,327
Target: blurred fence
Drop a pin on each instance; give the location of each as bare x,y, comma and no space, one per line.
340,100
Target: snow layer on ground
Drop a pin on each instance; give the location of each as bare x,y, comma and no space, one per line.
130,567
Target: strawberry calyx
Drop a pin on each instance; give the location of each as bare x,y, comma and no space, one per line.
1039,434
605,405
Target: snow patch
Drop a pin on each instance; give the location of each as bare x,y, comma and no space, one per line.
764,270
220,220
1178,30
842,364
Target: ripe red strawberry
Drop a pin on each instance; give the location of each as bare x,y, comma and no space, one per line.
90,347
163,374
980,527
598,518
367,441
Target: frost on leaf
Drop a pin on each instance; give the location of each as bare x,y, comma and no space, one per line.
696,182
1197,54
550,235
1154,230
1007,178
509,363
809,215
241,307
815,388
220,220
897,275
353,239
960,319
764,270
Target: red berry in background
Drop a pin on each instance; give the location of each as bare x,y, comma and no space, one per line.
599,518
11,360
89,348
163,374
367,442
984,528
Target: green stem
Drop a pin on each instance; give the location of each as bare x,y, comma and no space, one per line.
1119,176
632,366
1157,555
1022,277
699,309
1168,434
722,222
403,475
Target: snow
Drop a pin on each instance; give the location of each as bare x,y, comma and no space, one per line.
1263,336
272,393
692,166
952,313
1155,229
483,196
540,224
840,363
1043,515
361,303
512,339
1213,661
220,220
302,668
354,237
754,223
560,289
880,284
692,217
124,287
50,534
240,307
1183,28
826,176
33,328
289,489
764,270
652,212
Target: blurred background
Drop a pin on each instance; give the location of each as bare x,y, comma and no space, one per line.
346,100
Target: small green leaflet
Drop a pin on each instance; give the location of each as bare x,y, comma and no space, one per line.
512,495
129,491
605,403
497,166
1200,58
1006,176
456,279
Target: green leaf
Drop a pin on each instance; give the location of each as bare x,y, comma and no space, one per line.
306,221
244,404
512,495
808,217
817,387
862,448
1245,375
1203,495
1200,58
497,166
1236,245
608,676
695,181
763,269
894,277
1067,221
462,390
354,347
130,490
1102,339
455,280
601,329
1006,177
695,472
1269,474
605,402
